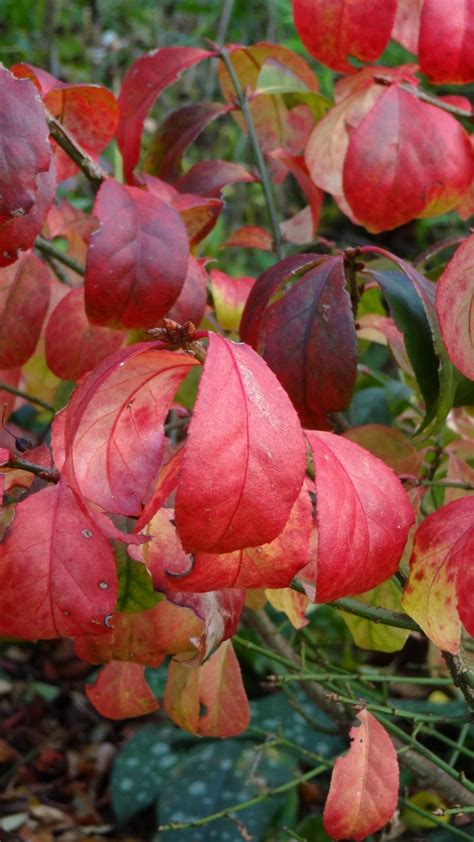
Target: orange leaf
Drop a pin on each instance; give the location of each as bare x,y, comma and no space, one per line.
364,784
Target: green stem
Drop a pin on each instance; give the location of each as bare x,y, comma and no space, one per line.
460,744
14,391
266,183
47,248
376,614
391,710
445,483
424,96
448,828
375,678
222,814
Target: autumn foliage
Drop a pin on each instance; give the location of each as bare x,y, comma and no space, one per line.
142,544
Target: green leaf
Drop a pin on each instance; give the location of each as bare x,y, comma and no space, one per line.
376,636
135,584
217,775
410,317
140,771
275,714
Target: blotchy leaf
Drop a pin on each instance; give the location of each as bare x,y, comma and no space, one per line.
136,261
20,232
24,148
114,426
57,571
229,296
305,333
390,445
270,565
121,691
413,158
292,603
88,112
364,783
218,686
146,78
241,473
250,237
445,46
24,299
363,516
333,30
455,307
145,637
73,346
439,591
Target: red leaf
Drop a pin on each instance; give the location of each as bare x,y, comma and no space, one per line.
218,686
271,565
73,346
25,150
327,145
439,591
121,692
241,473
250,237
445,47
192,301
20,232
137,260
363,516
306,334
147,77
229,296
89,113
176,134
364,784
198,213
24,299
114,426
412,158
208,178
220,612
57,571
455,307
333,30
145,637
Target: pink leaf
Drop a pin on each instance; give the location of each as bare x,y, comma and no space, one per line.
445,46
20,232
229,296
242,473
148,76
363,516
364,784
24,299
137,260
73,346
455,307
57,571
209,178
114,426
